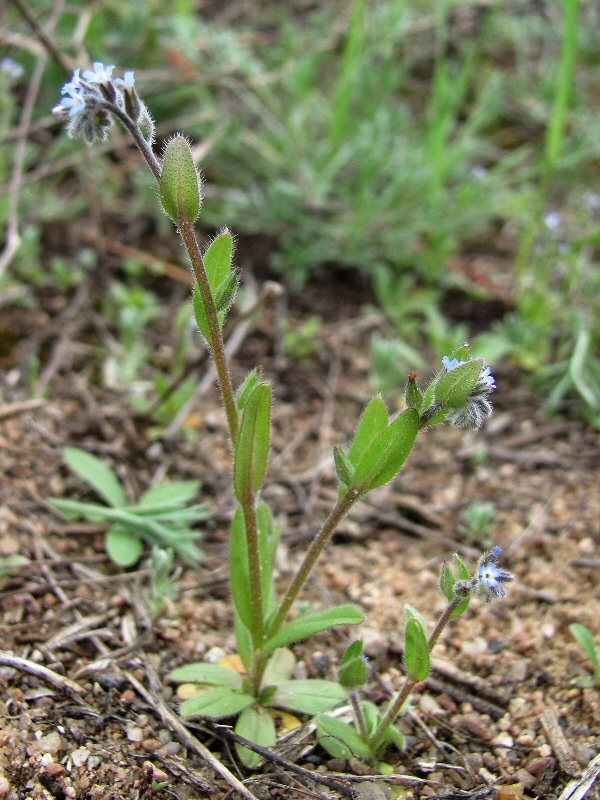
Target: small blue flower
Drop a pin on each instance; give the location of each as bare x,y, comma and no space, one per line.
490,577
100,74
127,81
451,364
487,379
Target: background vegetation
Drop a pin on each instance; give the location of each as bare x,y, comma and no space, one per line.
443,153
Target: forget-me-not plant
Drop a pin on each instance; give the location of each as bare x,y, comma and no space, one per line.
459,394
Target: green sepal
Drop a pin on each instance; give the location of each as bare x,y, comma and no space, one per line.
413,395
416,653
340,739
179,182
315,622
448,582
374,420
216,703
93,471
386,455
256,725
206,674
249,384
452,390
344,469
309,696
252,446
123,547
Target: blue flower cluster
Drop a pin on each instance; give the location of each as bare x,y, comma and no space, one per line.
90,99
478,406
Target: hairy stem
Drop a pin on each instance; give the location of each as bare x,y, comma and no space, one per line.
317,546
409,684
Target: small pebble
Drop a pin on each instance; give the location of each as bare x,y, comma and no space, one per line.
134,733
55,770
4,785
80,756
151,745
51,743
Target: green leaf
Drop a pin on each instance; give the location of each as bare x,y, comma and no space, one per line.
243,640
200,313
586,641
249,384
179,183
395,736
340,739
374,420
268,540
343,467
252,446
280,667
453,388
97,474
310,696
388,452
123,547
312,623
353,674
216,703
217,260
416,655
447,581
353,651
170,493
256,725
239,568
206,674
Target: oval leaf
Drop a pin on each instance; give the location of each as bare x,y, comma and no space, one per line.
307,696
387,454
315,622
256,725
123,547
206,674
416,654
252,446
217,260
374,420
340,739
216,703
97,474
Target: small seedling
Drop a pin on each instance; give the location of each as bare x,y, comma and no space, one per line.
160,517
585,640
477,519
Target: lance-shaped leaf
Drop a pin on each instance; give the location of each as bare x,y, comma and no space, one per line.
179,183
216,703
315,622
208,674
374,420
416,654
97,474
239,569
310,696
256,725
249,384
217,260
340,739
453,389
268,540
200,313
386,455
252,446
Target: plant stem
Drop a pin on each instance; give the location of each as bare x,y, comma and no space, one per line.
187,233
409,684
317,546
361,723
141,143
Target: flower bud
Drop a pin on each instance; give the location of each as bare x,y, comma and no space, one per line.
179,182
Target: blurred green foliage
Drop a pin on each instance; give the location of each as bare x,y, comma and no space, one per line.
406,139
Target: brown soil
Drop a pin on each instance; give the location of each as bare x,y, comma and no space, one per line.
502,708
